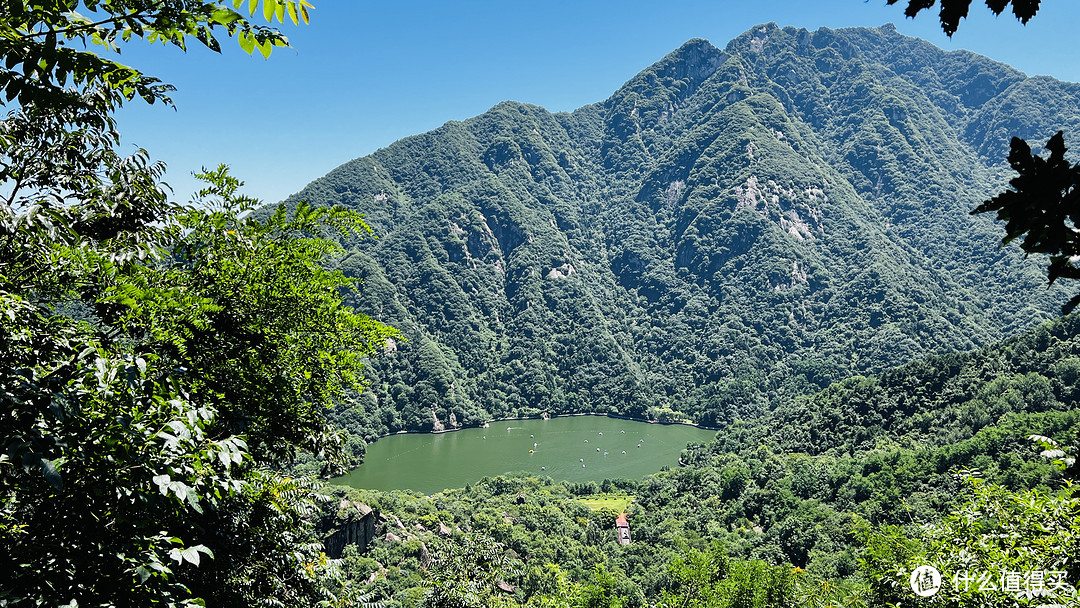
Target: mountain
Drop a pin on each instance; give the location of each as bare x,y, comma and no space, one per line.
730,228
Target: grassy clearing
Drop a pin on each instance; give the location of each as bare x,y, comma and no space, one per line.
617,503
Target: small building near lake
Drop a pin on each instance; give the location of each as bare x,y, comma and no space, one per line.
622,527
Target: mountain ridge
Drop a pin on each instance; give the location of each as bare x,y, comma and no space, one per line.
728,228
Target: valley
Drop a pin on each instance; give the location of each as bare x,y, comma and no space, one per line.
773,239
729,230
742,331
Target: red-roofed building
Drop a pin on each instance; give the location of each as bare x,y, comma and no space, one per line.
623,529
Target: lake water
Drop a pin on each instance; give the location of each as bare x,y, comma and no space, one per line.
609,448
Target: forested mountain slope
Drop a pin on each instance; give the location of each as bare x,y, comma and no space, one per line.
730,227
783,508
789,488
937,401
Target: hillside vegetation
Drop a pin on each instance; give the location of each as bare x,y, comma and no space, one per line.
803,488
729,230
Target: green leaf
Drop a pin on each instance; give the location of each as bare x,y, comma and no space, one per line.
225,16
162,482
180,489
158,566
247,42
191,553
51,474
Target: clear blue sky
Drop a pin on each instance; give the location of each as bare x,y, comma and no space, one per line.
364,74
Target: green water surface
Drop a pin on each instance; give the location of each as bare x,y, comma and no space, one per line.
430,463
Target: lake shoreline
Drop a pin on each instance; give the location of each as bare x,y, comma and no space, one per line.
546,416
574,448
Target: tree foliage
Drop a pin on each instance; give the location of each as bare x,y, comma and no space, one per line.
998,548
708,579
783,493
1042,201
42,66
143,397
158,362
953,10
1043,207
468,572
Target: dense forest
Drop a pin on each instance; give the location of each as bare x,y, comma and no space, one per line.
730,229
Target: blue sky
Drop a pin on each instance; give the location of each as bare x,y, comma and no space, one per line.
364,74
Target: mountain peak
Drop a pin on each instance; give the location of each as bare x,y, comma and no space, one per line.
667,82
695,60
694,47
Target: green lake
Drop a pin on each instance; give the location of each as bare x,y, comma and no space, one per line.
608,448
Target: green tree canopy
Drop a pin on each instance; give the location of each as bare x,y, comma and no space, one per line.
42,67
157,361
1043,202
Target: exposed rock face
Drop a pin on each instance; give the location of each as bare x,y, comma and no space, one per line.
354,525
